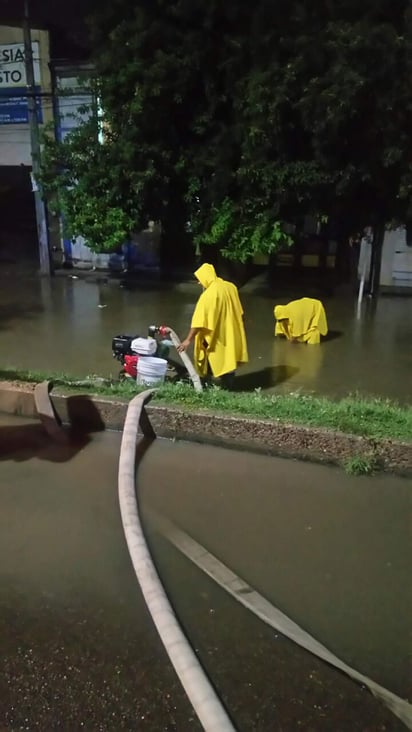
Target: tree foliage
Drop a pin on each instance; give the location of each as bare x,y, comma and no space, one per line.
239,116
85,185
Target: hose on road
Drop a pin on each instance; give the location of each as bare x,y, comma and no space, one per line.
202,696
247,596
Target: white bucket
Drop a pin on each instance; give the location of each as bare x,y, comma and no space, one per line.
151,370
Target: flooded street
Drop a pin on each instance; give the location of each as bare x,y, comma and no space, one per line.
78,648
67,325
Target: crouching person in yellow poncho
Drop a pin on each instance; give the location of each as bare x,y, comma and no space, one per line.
217,327
301,321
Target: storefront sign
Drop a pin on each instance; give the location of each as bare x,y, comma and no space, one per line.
13,83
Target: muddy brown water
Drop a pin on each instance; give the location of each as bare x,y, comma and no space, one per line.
78,648
67,325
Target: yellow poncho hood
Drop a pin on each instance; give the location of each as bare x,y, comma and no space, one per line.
218,314
206,274
303,316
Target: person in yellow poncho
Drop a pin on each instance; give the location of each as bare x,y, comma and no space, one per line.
301,321
217,326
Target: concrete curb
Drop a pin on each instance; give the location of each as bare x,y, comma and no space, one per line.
94,413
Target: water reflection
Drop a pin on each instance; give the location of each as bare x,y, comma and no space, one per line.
299,359
68,324
265,378
23,441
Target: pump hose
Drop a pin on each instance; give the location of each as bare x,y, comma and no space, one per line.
186,360
202,696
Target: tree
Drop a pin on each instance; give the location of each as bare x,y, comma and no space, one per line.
239,116
87,187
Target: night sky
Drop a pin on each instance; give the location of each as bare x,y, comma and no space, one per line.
55,12
64,18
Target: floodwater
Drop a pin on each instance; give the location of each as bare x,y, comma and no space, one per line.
67,325
78,648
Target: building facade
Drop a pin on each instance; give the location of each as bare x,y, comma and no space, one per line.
18,236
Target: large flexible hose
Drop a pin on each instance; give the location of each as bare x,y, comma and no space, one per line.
202,696
186,360
247,596
194,680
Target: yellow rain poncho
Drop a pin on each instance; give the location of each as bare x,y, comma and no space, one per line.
303,320
221,340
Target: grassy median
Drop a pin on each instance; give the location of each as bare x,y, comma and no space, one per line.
357,415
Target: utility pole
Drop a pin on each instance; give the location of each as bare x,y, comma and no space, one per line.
41,220
376,258
378,238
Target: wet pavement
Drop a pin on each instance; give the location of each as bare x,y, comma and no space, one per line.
67,325
78,649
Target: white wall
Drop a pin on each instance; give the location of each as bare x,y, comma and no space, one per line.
15,145
396,269
82,255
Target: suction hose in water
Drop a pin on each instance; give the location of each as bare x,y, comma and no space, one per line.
186,360
202,696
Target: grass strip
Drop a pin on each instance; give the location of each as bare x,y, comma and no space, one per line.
357,415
